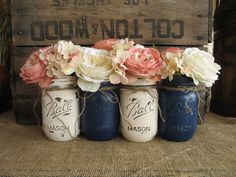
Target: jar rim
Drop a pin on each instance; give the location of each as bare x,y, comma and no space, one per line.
141,82
65,78
179,80
67,81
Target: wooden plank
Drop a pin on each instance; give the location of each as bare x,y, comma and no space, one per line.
211,13
24,111
26,103
162,22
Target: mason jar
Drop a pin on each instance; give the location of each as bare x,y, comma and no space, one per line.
179,109
100,113
60,109
139,111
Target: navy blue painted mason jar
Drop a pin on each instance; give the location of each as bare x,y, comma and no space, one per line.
100,116
179,109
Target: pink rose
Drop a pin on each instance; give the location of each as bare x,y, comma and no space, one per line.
142,63
174,50
105,44
34,71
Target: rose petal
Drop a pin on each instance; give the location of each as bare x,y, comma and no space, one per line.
114,79
154,79
105,44
34,70
130,78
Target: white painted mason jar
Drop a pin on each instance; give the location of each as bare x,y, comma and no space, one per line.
60,109
139,111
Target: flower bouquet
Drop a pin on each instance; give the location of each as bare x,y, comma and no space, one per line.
99,70
132,62
55,61
191,62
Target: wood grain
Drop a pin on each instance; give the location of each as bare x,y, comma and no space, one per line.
162,22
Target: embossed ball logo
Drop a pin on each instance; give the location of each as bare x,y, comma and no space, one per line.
137,109
58,107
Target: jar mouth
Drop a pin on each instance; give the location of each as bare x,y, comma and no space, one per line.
65,78
179,80
141,82
107,84
67,81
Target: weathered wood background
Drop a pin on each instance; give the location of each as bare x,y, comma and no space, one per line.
162,22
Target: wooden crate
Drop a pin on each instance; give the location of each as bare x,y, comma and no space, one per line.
163,22
40,23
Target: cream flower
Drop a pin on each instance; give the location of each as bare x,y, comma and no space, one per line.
123,44
200,66
61,59
71,55
67,49
53,60
119,53
171,57
94,67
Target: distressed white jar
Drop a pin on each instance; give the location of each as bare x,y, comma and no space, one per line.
139,111
60,109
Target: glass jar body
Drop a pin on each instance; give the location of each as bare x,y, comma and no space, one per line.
100,116
60,110
139,112
179,109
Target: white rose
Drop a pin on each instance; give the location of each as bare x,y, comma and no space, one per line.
200,66
94,67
